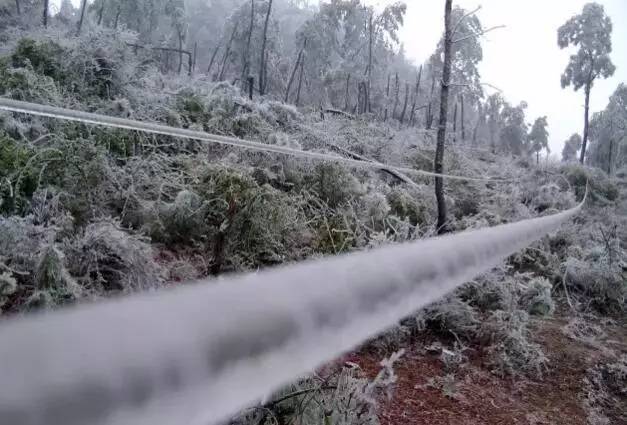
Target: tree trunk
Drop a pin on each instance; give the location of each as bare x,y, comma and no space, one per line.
300,80
387,100
586,127
213,59
246,55
537,157
463,126
251,87
405,103
412,119
455,124
180,52
296,68
346,95
117,16
193,67
396,93
370,31
609,161
82,18
430,107
45,16
18,9
439,153
264,63
227,53
101,12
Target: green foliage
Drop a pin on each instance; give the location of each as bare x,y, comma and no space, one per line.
333,184
571,147
45,58
406,207
18,175
602,190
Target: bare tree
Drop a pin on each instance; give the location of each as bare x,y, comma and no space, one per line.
455,122
263,66
82,18
463,126
18,9
296,68
46,8
227,53
412,118
439,152
249,35
213,59
396,94
387,99
300,80
429,120
346,95
370,37
101,11
405,103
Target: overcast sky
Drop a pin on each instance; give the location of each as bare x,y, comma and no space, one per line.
523,60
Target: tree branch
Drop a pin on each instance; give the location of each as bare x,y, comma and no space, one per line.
478,34
462,19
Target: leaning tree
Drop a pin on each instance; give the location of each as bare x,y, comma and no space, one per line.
591,31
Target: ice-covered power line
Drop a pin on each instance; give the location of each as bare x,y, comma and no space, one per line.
200,353
115,122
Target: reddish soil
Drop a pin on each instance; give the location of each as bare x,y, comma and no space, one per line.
483,398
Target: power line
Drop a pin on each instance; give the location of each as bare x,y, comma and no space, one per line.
197,354
146,127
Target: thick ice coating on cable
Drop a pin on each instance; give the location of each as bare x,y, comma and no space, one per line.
198,354
115,122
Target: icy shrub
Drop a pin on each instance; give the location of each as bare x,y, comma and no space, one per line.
286,116
605,389
510,351
407,207
182,221
376,210
43,57
107,258
550,197
606,287
452,316
18,181
249,225
536,297
52,277
345,397
601,188
333,184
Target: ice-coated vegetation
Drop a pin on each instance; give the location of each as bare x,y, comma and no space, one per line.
90,212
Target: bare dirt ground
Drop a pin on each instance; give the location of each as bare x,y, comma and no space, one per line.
481,397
